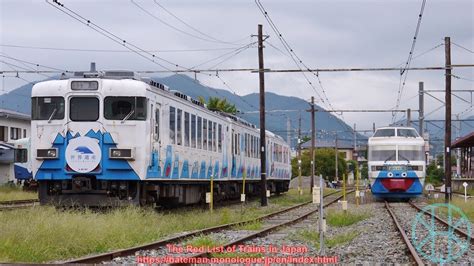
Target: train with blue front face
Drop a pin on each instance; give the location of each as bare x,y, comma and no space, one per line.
396,162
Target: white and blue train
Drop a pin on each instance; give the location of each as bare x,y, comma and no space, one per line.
396,163
22,166
110,138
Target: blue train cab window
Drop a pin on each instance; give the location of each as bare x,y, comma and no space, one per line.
47,108
84,109
129,108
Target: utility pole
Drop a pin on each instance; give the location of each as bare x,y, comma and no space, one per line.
373,125
408,117
335,150
313,140
421,108
261,75
299,156
447,126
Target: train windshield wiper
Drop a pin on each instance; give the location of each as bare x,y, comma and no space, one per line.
128,116
390,157
52,114
404,158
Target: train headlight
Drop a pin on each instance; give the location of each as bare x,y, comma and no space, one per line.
115,153
390,174
47,153
404,174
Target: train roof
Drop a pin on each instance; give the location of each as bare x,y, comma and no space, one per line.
391,136
126,78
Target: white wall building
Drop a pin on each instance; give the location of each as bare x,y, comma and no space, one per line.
13,126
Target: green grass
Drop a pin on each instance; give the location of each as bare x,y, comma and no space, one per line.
292,197
43,234
254,226
312,237
204,241
340,239
341,218
466,207
12,192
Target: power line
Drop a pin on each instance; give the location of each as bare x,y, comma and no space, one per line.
115,51
286,46
87,22
210,38
268,70
232,53
462,47
401,84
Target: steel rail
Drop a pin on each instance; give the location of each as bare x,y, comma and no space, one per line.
17,204
14,202
441,220
270,229
109,256
405,238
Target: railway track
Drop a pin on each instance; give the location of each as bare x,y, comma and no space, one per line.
161,244
404,216
17,204
275,224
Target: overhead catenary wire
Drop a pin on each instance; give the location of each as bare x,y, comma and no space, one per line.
115,50
404,72
210,38
106,33
297,60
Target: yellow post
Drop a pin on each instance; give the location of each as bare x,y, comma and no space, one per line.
211,203
357,187
344,187
243,183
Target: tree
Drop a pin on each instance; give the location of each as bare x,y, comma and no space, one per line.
218,104
325,164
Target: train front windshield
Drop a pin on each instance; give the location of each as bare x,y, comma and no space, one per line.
406,153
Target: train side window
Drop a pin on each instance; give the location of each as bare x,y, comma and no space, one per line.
21,155
204,134
157,124
258,147
172,125
193,131
179,119
219,134
209,136
214,136
238,143
199,132
84,109
186,129
233,142
118,108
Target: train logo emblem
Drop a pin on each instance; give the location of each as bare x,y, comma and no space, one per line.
430,240
83,154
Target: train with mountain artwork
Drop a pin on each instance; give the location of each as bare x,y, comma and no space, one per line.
396,163
108,138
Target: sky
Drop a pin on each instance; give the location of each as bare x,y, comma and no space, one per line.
323,34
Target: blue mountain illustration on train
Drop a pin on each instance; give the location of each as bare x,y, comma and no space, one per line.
83,150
